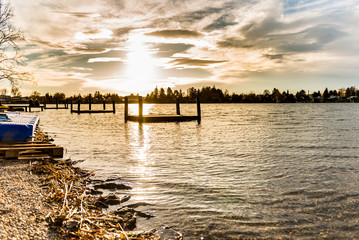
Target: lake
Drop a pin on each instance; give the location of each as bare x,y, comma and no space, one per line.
247,171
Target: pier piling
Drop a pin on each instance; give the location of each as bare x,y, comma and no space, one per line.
198,109
140,108
161,118
178,111
90,102
113,107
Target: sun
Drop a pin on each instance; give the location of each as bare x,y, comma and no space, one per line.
141,74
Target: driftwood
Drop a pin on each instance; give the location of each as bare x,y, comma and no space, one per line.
77,212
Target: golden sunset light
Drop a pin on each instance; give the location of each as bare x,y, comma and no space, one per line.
179,119
133,46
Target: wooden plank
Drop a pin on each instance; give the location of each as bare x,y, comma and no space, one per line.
52,150
92,111
163,118
31,148
27,145
35,143
11,154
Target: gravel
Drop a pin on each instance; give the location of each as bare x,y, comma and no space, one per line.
22,210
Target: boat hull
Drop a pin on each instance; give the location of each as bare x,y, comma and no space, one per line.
22,127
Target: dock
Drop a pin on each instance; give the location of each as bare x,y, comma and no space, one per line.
65,105
161,118
31,149
90,110
26,107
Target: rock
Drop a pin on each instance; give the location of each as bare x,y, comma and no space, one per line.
143,214
113,186
111,199
125,199
130,222
113,179
95,192
167,233
135,205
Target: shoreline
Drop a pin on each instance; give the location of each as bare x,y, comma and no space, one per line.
51,199
22,211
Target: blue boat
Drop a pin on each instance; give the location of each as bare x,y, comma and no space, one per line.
16,127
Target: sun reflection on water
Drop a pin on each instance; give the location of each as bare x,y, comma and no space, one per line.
147,109
137,136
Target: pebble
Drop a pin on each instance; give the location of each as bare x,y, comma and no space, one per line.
22,212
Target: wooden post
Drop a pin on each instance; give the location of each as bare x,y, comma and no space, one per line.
90,102
113,107
198,109
140,109
78,105
104,105
45,105
178,111
71,105
57,103
29,108
126,109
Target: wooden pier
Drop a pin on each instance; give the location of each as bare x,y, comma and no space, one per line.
26,107
15,150
161,118
65,105
79,111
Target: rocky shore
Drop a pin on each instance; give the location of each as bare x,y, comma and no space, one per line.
46,198
54,200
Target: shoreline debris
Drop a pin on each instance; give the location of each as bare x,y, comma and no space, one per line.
77,212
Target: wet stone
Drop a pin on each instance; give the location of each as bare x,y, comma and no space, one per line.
112,186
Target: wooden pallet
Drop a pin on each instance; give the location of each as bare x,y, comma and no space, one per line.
13,150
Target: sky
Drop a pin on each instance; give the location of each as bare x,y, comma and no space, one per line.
132,46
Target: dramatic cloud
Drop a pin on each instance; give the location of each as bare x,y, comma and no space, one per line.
194,62
175,34
239,45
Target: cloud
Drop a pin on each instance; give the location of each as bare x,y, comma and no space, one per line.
81,14
104,59
165,50
187,62
178,33
190,39
222,22
273,56
235,43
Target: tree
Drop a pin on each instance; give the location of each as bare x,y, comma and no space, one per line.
35,95
301,96
60,96
162,95
326,94
10,54
277,96
15,92
3,91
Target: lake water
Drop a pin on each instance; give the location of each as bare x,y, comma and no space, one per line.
247,171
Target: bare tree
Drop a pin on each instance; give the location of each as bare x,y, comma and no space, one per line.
3,91
10,54
15,92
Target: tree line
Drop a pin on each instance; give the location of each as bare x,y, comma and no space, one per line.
210,95
214,95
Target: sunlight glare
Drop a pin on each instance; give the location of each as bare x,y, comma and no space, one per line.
140,66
